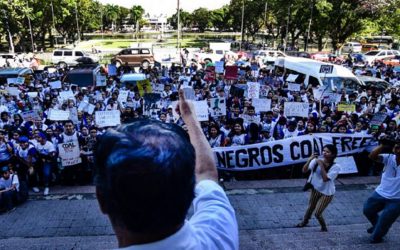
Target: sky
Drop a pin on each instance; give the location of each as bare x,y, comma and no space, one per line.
156,7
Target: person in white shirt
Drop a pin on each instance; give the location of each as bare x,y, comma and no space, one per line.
323,174
386,198
9,187
149,173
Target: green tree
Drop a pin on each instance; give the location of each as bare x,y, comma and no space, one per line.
136,14
185,19
201,19
221,18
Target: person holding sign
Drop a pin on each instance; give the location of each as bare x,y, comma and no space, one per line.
322,178
148,175
386,198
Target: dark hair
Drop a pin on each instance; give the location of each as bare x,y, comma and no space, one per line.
332,148
145,171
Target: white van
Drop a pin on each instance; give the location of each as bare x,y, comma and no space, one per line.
319,73
64,57
351,47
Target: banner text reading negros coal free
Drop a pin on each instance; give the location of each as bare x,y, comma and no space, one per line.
286,152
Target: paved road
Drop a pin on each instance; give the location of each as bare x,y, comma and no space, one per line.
266,210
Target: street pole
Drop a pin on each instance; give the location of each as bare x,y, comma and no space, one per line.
265,23
309,27
178,45
287,29
54,23
30,27
241,28
102,25
77,22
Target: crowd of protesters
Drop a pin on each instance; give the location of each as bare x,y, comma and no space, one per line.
29,148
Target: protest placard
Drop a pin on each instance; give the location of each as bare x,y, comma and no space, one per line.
123,96
90,108
32,115
32,94
83,106
247,119
69,153
101,80
201,109
55,85
99,96
11,80
378,119
253,90
20,80
264,90
217,107
261,105
219,67
73,115
347,107
13,91
209,74
144,86
293,87
58,115
108,118
158,88
112,70
231,72
292,78
65,95
189,93
300,109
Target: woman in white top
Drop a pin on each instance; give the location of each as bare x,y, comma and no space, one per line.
323,174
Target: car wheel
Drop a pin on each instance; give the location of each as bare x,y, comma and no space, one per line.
145,64
62,65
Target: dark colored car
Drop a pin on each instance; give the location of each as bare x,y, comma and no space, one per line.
298,54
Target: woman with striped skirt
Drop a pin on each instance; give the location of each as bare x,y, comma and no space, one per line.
323,175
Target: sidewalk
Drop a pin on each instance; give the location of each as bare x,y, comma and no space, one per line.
266,211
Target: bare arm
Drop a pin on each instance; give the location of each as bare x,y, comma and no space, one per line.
374,155
205,165
305,167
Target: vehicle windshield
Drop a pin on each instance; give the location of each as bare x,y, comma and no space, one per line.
372,53
339,83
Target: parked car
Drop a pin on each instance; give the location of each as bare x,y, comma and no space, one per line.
298,54
374,82
368,47
351,47
83,76
6,73
376,55
6,57
68,57
135,57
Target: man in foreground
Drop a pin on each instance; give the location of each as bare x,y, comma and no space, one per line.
386,198
149,173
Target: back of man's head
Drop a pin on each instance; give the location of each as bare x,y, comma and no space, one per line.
145,175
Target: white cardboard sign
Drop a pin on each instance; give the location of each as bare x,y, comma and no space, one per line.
261,105
58,115
300,109
69,153
108,118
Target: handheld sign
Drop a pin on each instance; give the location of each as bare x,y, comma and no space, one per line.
217,107
108,118
201,109
55,85
296,109
112,70
219,67
293,87
69,153
261,105
58,115
101,80
20,80
253,90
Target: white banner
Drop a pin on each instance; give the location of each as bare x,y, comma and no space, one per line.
217,107
347,165
69,153
300,109
287,152
108,118
253,90
261,105
58,115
